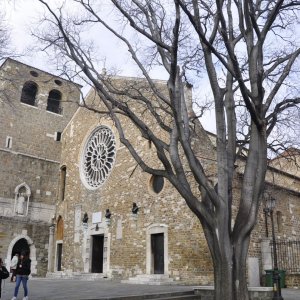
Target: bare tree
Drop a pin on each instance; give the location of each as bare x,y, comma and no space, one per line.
5,50
249,54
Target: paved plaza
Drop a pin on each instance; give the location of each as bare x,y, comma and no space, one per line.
54,289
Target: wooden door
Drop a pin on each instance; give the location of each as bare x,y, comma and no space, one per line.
97,253
157,245
59,255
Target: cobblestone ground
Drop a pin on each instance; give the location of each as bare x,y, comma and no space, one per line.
53,289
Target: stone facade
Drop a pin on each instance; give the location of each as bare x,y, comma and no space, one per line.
127,249
48,205
126,238
30,158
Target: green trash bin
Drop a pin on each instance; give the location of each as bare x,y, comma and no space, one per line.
269,278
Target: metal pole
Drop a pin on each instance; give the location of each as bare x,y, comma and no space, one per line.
266,211
276,276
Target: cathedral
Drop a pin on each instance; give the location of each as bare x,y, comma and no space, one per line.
73,196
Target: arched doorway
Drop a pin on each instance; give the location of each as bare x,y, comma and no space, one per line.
20,246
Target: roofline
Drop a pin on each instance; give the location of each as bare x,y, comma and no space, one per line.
136,78
270,168
280,156
279,187
17,61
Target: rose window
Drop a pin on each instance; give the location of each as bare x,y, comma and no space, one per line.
99,157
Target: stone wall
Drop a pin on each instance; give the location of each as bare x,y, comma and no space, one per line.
32,128
127,250
41,175
292,280
284,188
286,217
29,158
36,234
188,256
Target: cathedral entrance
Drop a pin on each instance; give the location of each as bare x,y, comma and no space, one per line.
20,246
59,255
157,248
97,253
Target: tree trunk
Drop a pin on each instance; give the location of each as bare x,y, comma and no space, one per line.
230,274
240,269
223,280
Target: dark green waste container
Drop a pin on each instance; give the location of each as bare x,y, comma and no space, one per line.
269,278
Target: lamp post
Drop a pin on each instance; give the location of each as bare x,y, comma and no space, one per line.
270,205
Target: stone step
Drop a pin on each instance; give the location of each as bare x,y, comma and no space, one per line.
149,282
94,275
153,279
79,276
150,279
55,275
189,295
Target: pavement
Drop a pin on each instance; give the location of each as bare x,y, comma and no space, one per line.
58,289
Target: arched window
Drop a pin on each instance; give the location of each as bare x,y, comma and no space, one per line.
53,103
63,174
29,92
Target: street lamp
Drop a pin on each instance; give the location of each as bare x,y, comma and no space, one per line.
266,212
269,207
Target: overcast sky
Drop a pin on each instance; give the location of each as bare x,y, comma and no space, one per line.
22,17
